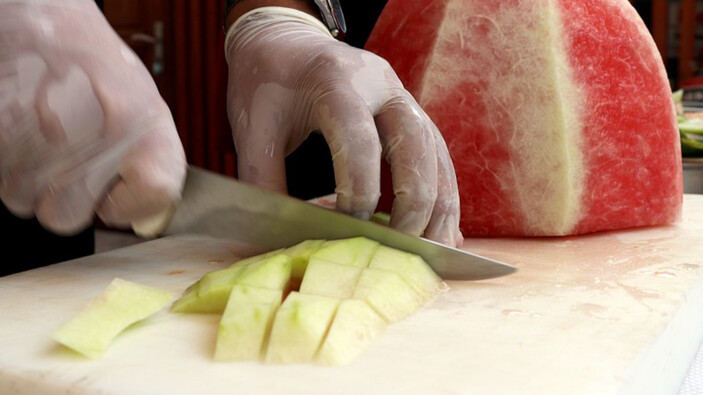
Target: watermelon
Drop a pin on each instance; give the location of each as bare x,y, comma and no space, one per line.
558,114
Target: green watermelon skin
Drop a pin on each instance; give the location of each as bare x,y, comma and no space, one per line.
557,113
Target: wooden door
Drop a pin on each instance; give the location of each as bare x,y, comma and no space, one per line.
146,26
191,77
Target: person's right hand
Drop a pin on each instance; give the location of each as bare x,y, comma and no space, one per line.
83,128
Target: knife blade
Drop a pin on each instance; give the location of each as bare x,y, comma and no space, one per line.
222,207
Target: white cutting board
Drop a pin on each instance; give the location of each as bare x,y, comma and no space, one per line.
611,313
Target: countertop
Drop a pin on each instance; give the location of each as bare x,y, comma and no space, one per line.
614,312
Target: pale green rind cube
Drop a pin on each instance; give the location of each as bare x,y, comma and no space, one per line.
215,288
299,328
270,270
381,218
229,273
246,293
391,296
272,273
121,304
354,327
196,300
256,258
411,267
246,323
355,251
210,293
187,303
215,280
330,279
300,255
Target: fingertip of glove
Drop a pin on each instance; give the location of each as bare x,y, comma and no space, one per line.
360,207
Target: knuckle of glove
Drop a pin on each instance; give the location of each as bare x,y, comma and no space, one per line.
417,196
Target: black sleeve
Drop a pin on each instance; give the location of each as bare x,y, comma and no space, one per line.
361,17
27,245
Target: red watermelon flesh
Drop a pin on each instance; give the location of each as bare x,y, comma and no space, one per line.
558,113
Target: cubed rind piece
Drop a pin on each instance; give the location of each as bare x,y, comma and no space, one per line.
411,267
211,293
354,327
299,328
300,255
349,291
391,296
120,305
246,322
330,279
271,273
197,297
355,251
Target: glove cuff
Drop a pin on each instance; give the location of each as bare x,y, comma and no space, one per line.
263,13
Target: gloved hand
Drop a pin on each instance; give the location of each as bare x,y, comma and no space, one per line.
289,77
83,128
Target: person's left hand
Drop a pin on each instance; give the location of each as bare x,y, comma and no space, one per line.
288,77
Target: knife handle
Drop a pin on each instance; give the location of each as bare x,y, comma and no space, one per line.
153,226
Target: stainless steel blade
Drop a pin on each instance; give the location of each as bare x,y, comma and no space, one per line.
219,206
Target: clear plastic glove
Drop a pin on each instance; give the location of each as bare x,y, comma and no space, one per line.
83,128
288,77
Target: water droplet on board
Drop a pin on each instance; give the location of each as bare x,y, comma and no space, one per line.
590,309
443,287
665,274
513,313
617,261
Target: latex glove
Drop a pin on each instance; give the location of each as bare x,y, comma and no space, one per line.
289,77
83,128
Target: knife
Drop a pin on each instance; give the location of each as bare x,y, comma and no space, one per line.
222,207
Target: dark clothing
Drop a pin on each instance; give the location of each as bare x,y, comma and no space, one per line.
25,244
361,17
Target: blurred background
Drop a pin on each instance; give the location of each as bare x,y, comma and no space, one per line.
677,29
182,43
